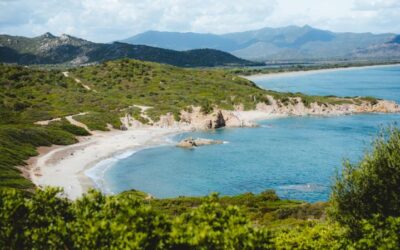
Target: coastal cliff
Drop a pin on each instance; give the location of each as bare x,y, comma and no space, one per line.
194,118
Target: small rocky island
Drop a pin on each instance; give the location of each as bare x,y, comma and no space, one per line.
192,143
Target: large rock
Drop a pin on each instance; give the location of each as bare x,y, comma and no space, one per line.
191,143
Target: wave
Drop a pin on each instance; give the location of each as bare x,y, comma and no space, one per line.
308,187
97,172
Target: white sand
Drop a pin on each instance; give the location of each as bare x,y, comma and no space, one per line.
308,72
64,166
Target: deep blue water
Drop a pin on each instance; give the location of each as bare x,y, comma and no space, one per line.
297,156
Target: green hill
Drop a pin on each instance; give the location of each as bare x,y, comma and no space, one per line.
50,49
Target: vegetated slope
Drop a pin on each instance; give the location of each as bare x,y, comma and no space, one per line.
291,43
49,49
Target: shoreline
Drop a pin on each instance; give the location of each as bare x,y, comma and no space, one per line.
65,166
96,172
313,71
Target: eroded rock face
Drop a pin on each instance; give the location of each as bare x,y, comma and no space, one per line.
220,121
191,143
195,119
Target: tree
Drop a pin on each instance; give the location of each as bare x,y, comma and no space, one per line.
370,187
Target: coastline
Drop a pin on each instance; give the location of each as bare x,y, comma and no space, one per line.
67,166
314,71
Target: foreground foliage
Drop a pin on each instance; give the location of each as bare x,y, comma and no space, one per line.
372,186
46,221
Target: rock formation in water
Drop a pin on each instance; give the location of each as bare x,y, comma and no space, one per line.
191,143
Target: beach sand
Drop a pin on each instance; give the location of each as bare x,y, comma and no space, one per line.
64,166
308,72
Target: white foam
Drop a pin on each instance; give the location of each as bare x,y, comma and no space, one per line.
98,171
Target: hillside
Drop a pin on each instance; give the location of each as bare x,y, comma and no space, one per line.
292,43
65,49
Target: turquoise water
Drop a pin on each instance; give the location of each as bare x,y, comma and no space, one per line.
381,82
297,156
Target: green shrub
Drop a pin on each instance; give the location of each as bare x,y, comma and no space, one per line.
212,226
378,233
371,186
313,236
66,126
44,220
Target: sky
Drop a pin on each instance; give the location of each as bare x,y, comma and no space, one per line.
110,20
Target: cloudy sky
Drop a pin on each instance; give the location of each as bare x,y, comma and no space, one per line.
109,20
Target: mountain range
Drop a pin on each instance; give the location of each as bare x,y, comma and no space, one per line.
292,43
65,49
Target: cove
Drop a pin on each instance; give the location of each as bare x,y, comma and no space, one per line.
296,156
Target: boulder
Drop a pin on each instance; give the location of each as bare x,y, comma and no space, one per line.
123,127
191,143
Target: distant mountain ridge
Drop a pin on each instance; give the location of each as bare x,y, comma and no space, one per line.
278,44
50,49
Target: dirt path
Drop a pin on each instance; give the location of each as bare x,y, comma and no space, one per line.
66,74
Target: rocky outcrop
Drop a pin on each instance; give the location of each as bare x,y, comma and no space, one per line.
191,143
194,119
220,121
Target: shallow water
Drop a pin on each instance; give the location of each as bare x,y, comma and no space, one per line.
297,156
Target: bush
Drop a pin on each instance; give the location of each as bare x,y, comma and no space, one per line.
66,126
371,186
212,226
379,233
45,220
312,236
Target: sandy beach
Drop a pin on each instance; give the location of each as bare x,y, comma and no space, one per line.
308,72
64,166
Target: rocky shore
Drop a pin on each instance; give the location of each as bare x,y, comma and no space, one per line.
65,166
195,119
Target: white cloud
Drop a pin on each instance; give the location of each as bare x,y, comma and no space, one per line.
376,5
107,20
